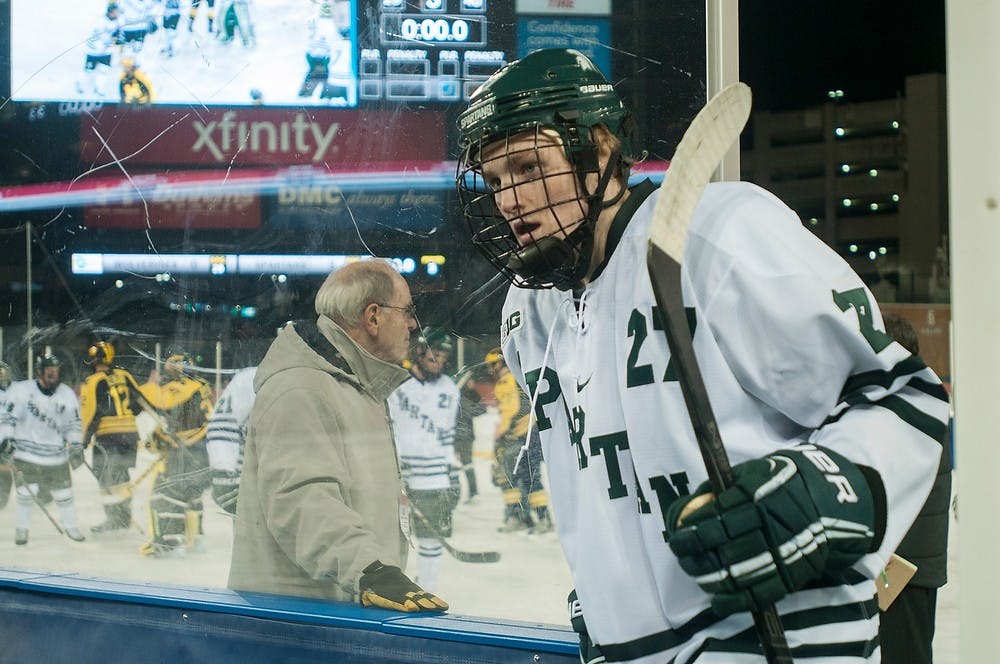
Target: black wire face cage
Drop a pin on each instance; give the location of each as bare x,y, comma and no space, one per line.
543,193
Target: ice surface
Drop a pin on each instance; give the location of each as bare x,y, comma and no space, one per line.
530,583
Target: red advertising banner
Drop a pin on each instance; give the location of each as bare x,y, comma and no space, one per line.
206,211
241,137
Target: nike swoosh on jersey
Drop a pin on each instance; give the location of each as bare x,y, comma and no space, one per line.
580,386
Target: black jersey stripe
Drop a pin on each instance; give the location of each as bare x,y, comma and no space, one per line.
935,390
816,617
880,378
747,641
906,411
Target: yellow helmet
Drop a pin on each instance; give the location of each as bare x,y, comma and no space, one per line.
101,353
493,356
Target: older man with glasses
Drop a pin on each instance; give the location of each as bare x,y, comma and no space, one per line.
321,510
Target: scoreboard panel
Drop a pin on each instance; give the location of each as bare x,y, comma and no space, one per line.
433,50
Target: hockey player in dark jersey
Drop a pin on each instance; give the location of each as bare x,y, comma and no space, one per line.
107,414
176,505
518,474
134,86
833,429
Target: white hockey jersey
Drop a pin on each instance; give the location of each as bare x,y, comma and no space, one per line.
326,39
228,425
790,345
137,14
102,38
423,417
43,426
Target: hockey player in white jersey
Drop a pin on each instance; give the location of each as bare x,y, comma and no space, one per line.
6,444
43,421
138,21
226,435
424,410
327,52
106,34
833,429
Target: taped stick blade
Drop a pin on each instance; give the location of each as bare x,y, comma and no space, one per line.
716,127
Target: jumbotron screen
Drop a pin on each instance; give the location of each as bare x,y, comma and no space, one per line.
335,53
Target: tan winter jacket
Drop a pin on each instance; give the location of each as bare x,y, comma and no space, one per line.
319,494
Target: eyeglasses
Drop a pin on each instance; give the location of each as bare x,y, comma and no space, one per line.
410,310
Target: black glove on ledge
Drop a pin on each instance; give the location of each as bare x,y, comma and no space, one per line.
789,518
386,587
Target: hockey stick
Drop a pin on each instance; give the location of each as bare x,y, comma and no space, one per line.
461,556
716,127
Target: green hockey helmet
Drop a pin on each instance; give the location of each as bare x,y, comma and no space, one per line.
436,339
431,338
554,90
47,360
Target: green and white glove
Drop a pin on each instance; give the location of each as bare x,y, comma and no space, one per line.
789,518
590,653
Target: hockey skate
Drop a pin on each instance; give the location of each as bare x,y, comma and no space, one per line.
108,527
21,536
118,517
513,524
542,526
75,534
162,550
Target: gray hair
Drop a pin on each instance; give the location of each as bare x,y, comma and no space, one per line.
348,290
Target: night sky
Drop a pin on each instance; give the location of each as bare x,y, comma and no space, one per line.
792,52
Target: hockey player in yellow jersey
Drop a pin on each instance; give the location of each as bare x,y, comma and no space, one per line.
107,413
134,86
175,505
520,481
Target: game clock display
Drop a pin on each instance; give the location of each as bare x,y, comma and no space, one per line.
433,50
406,30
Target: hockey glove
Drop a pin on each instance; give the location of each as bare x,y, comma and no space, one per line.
589,652
788,519
7,447
387,587
225,489
75,456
